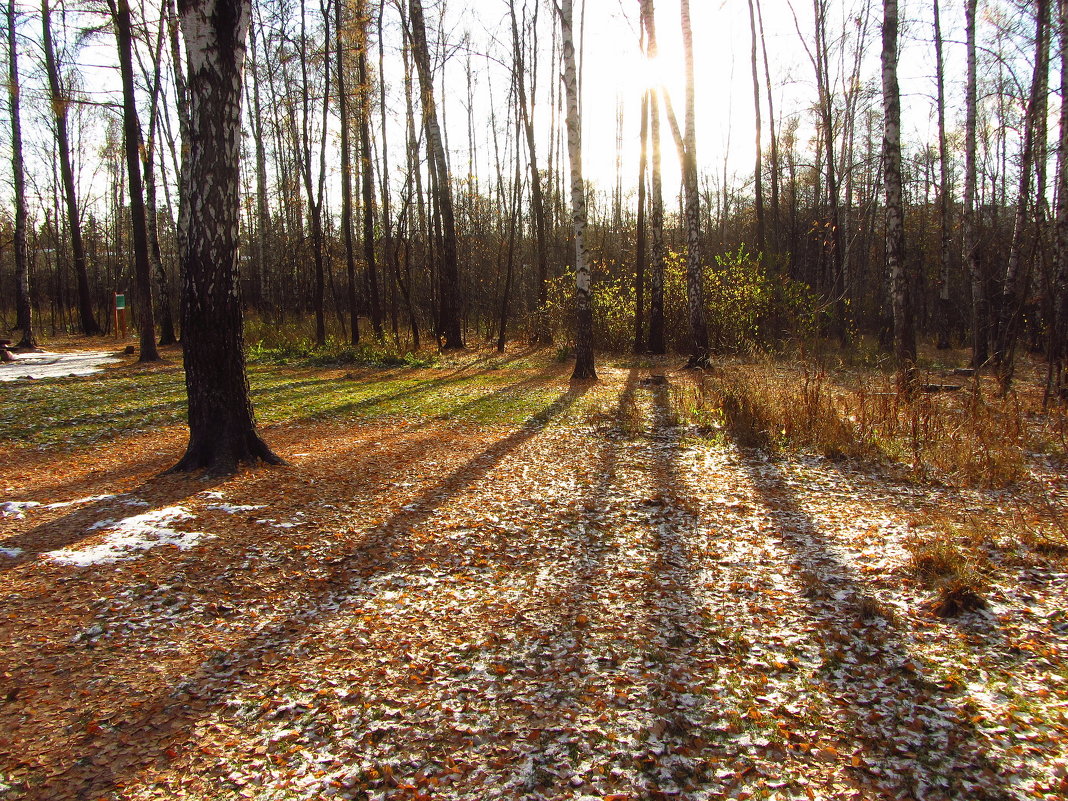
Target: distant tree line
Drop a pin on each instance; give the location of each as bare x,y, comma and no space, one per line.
368,210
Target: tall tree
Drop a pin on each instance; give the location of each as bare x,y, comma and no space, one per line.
60,107
640,240
584,366
131,129
1059,330
820,57
694,269
23,309
542,331
758,184
449,273
148,151
944,222
340,29
367,186
904,333
773,139
314,183
657,344
222,429
1008,317
980,321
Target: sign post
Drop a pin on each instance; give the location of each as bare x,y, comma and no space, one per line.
120,313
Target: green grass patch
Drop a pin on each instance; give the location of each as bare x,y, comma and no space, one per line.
68,413
335,354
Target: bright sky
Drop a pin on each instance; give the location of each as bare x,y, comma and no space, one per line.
614,72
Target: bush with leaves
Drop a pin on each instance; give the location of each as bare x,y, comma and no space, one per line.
749,307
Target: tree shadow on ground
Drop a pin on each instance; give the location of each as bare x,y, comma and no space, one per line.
138,741
563,652
675,646
418,389
916,737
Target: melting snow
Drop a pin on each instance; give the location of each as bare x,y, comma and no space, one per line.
11,552
234,508
54,365
131,534
79,501
16,508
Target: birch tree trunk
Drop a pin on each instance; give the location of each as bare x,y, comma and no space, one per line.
584,367
1059,333
1008,317
60,103
449,273
131,129
758,186
656,202
694,271
944,221
23,309
980,312
222,429
900,285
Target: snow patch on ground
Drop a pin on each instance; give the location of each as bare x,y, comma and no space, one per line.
13,553
54,365
78,501
234,509
132,534
16,509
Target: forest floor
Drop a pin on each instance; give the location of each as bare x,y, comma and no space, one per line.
478,581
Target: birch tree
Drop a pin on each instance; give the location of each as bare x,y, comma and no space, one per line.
900,286
656,190
60,106
222,429
131,129
449,273
23,309
584,366
970,229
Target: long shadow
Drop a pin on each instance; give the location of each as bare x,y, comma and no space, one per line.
907,723
75,526
134,744
86,480
672,617
562,647
414,390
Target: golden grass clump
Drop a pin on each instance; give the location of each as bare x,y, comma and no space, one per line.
967,437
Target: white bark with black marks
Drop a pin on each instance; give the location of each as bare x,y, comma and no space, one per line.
222,431
584,365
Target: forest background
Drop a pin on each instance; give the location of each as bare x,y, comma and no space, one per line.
789,119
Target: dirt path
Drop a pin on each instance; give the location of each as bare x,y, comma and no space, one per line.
584,606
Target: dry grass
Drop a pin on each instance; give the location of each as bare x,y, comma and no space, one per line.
955,571
969,437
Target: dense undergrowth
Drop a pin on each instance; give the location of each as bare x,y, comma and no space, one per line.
969,436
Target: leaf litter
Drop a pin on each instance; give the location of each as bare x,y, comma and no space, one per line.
580,606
